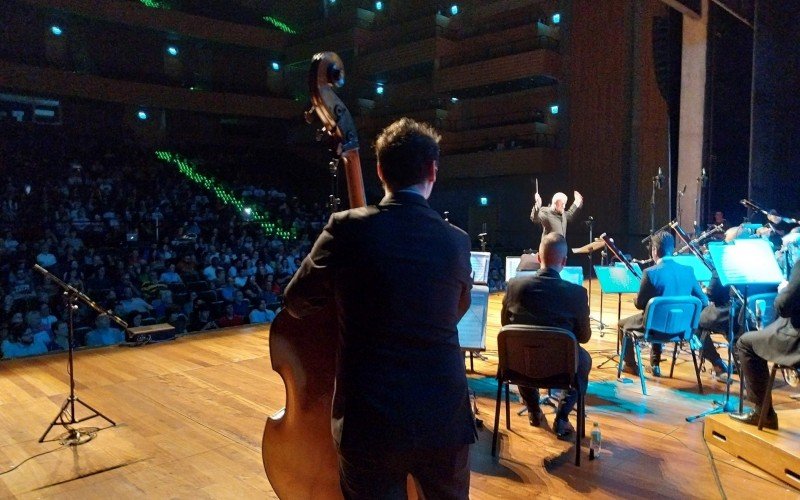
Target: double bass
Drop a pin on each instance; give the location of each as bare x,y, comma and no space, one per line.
297,448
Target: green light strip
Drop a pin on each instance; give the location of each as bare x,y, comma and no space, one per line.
263,219
279,24
154,4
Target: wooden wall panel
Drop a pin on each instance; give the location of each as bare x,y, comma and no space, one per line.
616,137
501,69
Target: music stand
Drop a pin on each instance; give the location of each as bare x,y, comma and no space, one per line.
617,279
740,263
589,250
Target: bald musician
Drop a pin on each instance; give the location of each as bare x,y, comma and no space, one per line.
547,300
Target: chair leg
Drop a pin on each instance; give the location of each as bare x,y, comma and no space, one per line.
497,416
766,403
696,370
638,351
581,430
741,389
508,406
622,355
674,357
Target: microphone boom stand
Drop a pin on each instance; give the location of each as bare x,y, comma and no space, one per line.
66,414
590,223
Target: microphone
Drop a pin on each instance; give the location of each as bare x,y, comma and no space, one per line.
659,179
589,221
703,177
482,235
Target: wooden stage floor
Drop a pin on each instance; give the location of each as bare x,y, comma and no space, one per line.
190,414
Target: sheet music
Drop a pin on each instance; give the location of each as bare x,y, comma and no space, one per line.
480,267
572,274
701,271
472,327
512,263
746,262
617,278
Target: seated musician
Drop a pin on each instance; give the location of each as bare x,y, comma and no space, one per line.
665,278
547,300
779,343
715,316
776,228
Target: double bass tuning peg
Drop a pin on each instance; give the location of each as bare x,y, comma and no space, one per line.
309,115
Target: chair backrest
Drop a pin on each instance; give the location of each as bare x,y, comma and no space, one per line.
669,319
766,302
537,356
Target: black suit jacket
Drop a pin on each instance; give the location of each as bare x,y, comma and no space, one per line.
400,277
783,345
547,300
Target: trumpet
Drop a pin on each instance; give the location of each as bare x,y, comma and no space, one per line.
698,239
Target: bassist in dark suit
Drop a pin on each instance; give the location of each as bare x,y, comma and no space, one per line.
400,279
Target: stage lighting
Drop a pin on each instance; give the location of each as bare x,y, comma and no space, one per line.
454,99
378,5
276,66
379,89
453,10
142,115
556,18
56,30
484,201
172,50
554,109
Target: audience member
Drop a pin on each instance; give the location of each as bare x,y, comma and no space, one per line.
104,333
261,314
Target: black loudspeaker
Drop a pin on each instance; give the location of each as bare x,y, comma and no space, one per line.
664,59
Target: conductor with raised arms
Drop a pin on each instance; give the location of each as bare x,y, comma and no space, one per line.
400,278
554,218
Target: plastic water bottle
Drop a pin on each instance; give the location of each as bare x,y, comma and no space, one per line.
596,443
761,306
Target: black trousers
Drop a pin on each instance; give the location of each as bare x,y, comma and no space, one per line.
754,367
440,473
530,395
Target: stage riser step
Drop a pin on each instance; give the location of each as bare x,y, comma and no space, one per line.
774,452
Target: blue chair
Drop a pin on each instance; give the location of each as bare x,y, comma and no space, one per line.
666,319
542,357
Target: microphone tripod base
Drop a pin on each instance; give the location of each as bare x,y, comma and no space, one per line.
75,437
719,407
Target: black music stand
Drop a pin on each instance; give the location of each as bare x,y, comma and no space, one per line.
739,264
616,279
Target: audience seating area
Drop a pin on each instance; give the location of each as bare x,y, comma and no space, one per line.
136,237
